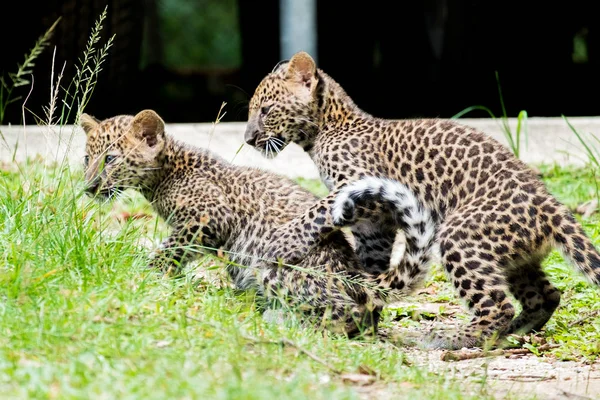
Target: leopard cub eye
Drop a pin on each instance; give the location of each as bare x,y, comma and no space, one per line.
109,159
86,160
265,110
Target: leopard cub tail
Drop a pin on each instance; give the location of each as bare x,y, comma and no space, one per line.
576,245
408,213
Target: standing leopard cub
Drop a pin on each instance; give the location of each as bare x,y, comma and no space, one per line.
496,221
212,204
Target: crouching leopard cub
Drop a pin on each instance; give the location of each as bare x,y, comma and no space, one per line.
212,204
495,220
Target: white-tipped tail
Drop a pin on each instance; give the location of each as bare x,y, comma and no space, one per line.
411,217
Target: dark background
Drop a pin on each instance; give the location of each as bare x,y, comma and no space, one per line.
183,58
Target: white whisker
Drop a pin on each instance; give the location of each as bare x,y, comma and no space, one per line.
277,145
150,168
277,140
268,146
308,121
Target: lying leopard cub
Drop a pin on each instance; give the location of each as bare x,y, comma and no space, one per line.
213,204
496,220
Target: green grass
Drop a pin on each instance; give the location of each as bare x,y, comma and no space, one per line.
82,317
576,324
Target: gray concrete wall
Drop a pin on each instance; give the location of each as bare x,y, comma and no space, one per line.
550,141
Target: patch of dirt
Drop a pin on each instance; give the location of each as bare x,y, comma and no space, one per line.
509,373
518,376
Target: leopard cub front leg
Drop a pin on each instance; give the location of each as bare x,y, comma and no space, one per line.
184,245
294,240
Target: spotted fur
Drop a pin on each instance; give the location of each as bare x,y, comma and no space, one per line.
212,204
495,219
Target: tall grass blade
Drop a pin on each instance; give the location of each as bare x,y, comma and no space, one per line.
589,149
17,78
513,139
473,108
237,152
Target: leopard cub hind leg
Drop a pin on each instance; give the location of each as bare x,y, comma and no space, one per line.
538,297
473,264
485,261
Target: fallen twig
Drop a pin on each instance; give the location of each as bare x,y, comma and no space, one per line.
569,395
586,317
461,355
527,378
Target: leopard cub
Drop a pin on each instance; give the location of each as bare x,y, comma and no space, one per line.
211,204
495,220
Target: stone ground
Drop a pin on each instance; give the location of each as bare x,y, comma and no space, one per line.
549,141
516,377
512,376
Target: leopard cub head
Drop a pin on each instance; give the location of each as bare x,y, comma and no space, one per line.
284,107
121,152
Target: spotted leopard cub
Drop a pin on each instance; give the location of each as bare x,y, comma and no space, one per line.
495,220
212,204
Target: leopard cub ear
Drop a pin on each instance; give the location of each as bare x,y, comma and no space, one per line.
88,123
149,127
302,70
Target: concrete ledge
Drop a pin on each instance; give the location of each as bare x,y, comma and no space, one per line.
550,141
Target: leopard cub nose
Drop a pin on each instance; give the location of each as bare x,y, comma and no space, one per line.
250,137
92,187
